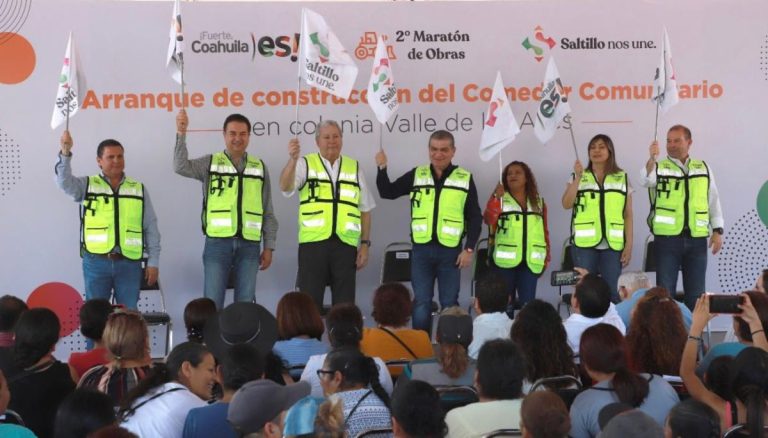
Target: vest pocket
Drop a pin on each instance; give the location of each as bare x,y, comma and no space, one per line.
312,219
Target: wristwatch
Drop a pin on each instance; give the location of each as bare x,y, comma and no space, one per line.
718,230
365,242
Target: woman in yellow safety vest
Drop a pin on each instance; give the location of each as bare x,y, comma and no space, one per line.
601,225
517,217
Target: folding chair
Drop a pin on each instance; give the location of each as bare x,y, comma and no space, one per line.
11,417
567,387
481,266
456,396
677,384
151,305
566,264
371,433
396,266
740,430
504,432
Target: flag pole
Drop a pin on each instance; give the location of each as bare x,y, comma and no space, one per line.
656,125
181,60
66,126
573,138
381,133
501,170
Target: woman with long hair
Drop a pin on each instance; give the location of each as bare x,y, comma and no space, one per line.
538,331
300,329
354,378
692,419
748,373
603,353
656,335
517,217
159,404
126,340
601,223
392,338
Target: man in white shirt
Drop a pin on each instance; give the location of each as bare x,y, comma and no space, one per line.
492,321
591,304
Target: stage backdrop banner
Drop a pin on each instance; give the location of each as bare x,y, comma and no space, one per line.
242,58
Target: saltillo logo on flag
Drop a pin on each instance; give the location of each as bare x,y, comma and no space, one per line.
665,81
175,60
500,126
68,96
382,92
553,106
324,63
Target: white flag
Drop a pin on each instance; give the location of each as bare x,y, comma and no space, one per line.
175,60
500,126
553,106
324,63
382,92
68,96
665,81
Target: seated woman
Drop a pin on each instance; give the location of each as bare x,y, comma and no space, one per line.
656,335
345,328
159,404
354,378
37,381
538,331
93,318
127,343
603,352
299,328
392,339
196,313
452,366
692,419
748,371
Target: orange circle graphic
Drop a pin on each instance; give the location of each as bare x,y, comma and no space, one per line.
17,58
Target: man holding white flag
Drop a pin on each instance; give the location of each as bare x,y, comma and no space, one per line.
324,63
382,92
500,126
175,59
553,106
70,81
665,81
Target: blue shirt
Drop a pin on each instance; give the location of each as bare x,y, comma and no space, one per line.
624,309
75,187
724,349
296,351
208,421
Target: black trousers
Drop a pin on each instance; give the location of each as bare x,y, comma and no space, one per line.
327,263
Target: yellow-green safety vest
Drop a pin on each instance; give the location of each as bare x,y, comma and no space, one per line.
520,234
598,211
109,219
680,200
444,215
233,205
323,209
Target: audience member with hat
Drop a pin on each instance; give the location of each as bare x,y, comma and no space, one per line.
241,323
260,407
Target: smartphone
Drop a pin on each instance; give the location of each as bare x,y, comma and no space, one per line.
725,303
564,278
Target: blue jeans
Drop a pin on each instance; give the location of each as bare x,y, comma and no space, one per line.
103,275
521,285
605,262
674,253
221,254
432,261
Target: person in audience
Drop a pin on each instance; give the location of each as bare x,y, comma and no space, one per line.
93,318
603,352
196,314
748,375
354,378
416,411
126,340
656,337
299,329
391,339
11,308
633,423
492,321
633,285
716,379
345,329
82,412
692,419
240,364
499,383
313,417
37,381
241,322
10,430
259,407
543,415
762,281
591,304
759,302
452,366
159,404
538,331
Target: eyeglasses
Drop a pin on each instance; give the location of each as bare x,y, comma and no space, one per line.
321,372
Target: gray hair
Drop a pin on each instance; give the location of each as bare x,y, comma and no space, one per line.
634,280
325,124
